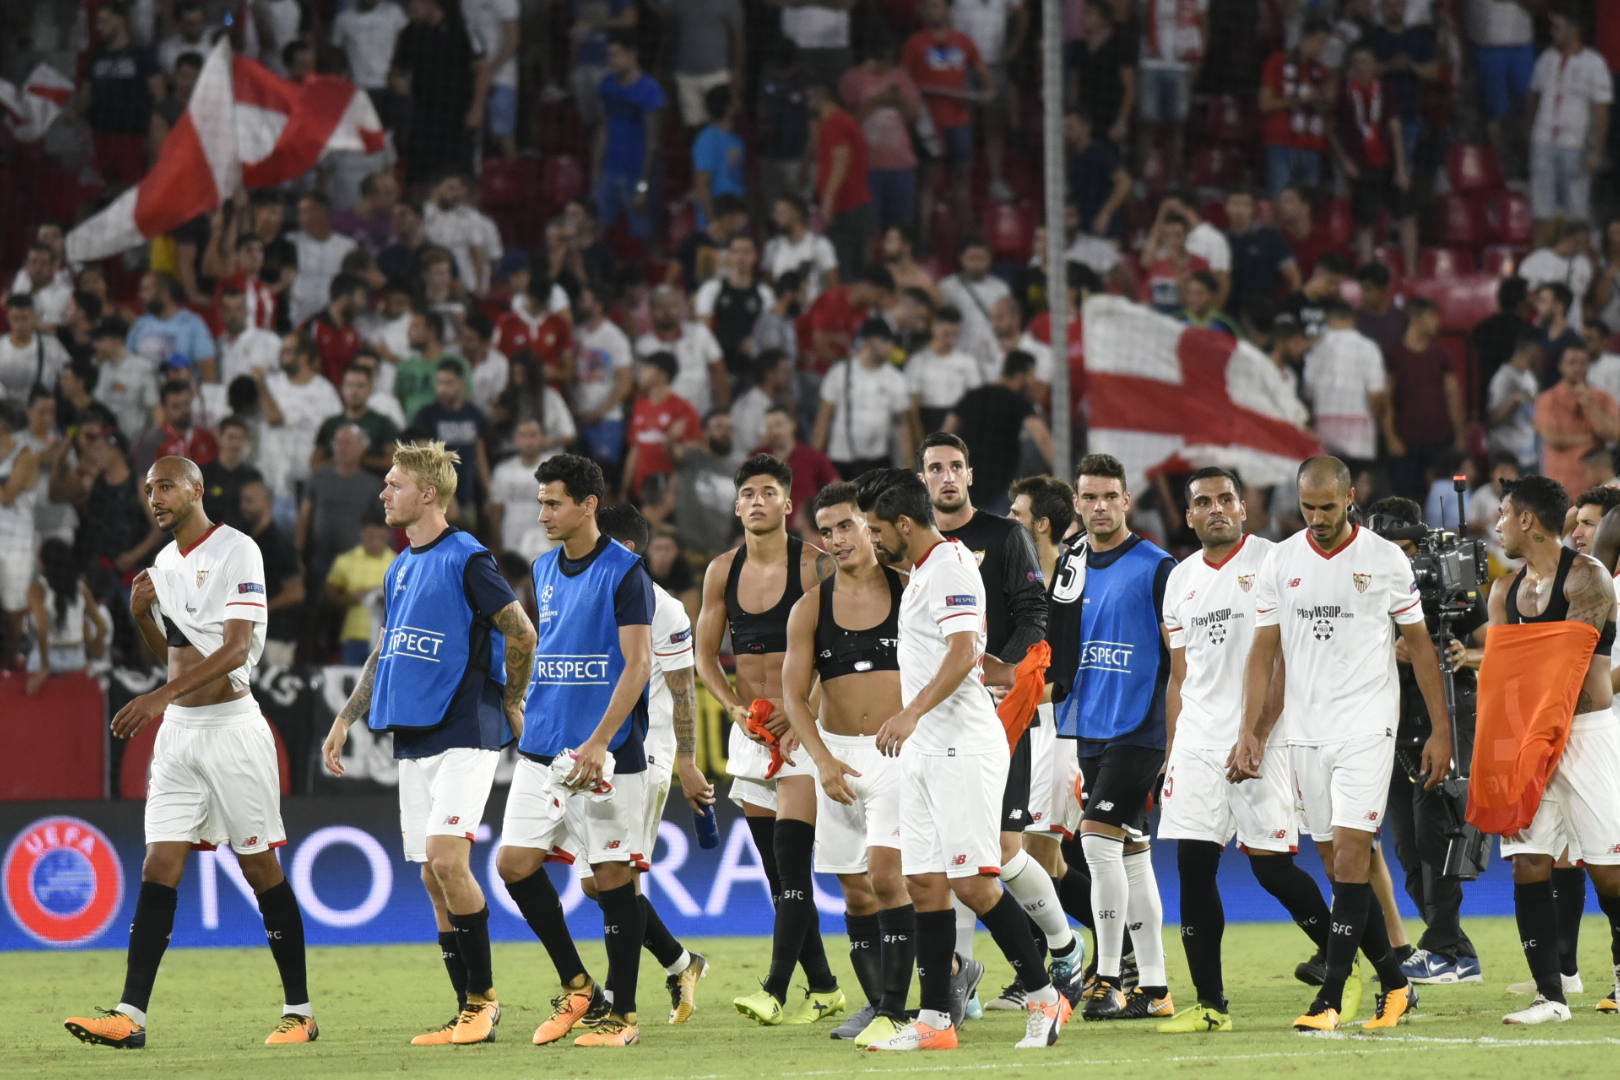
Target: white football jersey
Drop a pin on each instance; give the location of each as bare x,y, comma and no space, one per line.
1338,614
220,577
672,651
1209,612
945,596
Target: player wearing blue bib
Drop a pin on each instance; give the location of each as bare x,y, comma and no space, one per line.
436,682
587,715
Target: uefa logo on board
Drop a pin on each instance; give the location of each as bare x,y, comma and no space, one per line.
63,881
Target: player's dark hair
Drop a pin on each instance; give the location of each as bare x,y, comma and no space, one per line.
1105,465
624,523
1542,496
837,493
580,476
906,497
873,483
1399,508
1214,472
942,438
1049,498
1606,497
764,465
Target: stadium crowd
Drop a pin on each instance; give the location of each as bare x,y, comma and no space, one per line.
669,235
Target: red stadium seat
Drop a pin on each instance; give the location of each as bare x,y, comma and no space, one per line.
1507,218
507,183
1473,167
682,223
1458,221
1392,258
1501,259
561,181
1446,264
1214,212
1225,120
944,229
1155,174
1339,221
1010,228
1464,302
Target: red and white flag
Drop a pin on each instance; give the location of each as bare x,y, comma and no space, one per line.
1160,393
30,111
243,127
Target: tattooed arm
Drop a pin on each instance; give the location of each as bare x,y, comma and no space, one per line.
521,641
682,684
358,707
817,565
1590,592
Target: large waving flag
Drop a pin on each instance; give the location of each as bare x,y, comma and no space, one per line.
1163,394
243,127
31,110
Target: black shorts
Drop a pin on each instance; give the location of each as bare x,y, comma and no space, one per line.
1117,785
1373,189
1015,796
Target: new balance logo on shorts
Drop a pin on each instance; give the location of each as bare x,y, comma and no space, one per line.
613,845
1105,805
250,841
454,819
960,860
1372,815
1016,814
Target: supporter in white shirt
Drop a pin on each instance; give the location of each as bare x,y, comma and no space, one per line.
1203,239
383,373
1007,323
774,387
1347,387
296,401
603,378
1570,94
1565,262
1510,404
862,400
366,33
514,492
51,289
28,355
469,236
243,346
985,21
939,375
192,34
125,382
796,248
491,369
974,292
321,252
392,335
702,378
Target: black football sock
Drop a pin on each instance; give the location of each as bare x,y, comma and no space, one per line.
284,930
1611,908
1351,905
865,954
1376,948
1042,945
1537,914
1009,924
797,938
1203,918
1569,894
657,939
1298,893
624,925
148,940
898,927
536,897
472,942
936,946
1074,893
763,830
453,966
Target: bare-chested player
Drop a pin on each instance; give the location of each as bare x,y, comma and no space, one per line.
858,818
750,590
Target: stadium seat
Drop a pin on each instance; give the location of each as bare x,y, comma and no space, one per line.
1446,264
1010,228
1214,212
1457,221
1464,301
1395,261
561,181
1473,167
1500,259
506,183
1507,218
1155,174
1339,221
1216,167
682,223
944,229
1225,124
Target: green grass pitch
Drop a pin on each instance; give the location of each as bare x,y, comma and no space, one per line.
212,1010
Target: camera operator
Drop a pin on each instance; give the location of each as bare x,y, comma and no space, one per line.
1419,818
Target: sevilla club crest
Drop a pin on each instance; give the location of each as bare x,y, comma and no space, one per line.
1362,581
1245,582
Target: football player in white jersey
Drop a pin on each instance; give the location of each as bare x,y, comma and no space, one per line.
671,744
214,775
953,765
1329,599
1209,617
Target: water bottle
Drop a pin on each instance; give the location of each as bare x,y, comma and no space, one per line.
708,830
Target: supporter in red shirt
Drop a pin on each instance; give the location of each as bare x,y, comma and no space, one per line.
1296,92
938,59
1367,140
1296,219
179,435
245,279
842,163
827,331
659,418
812,469
337,340
1161,280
